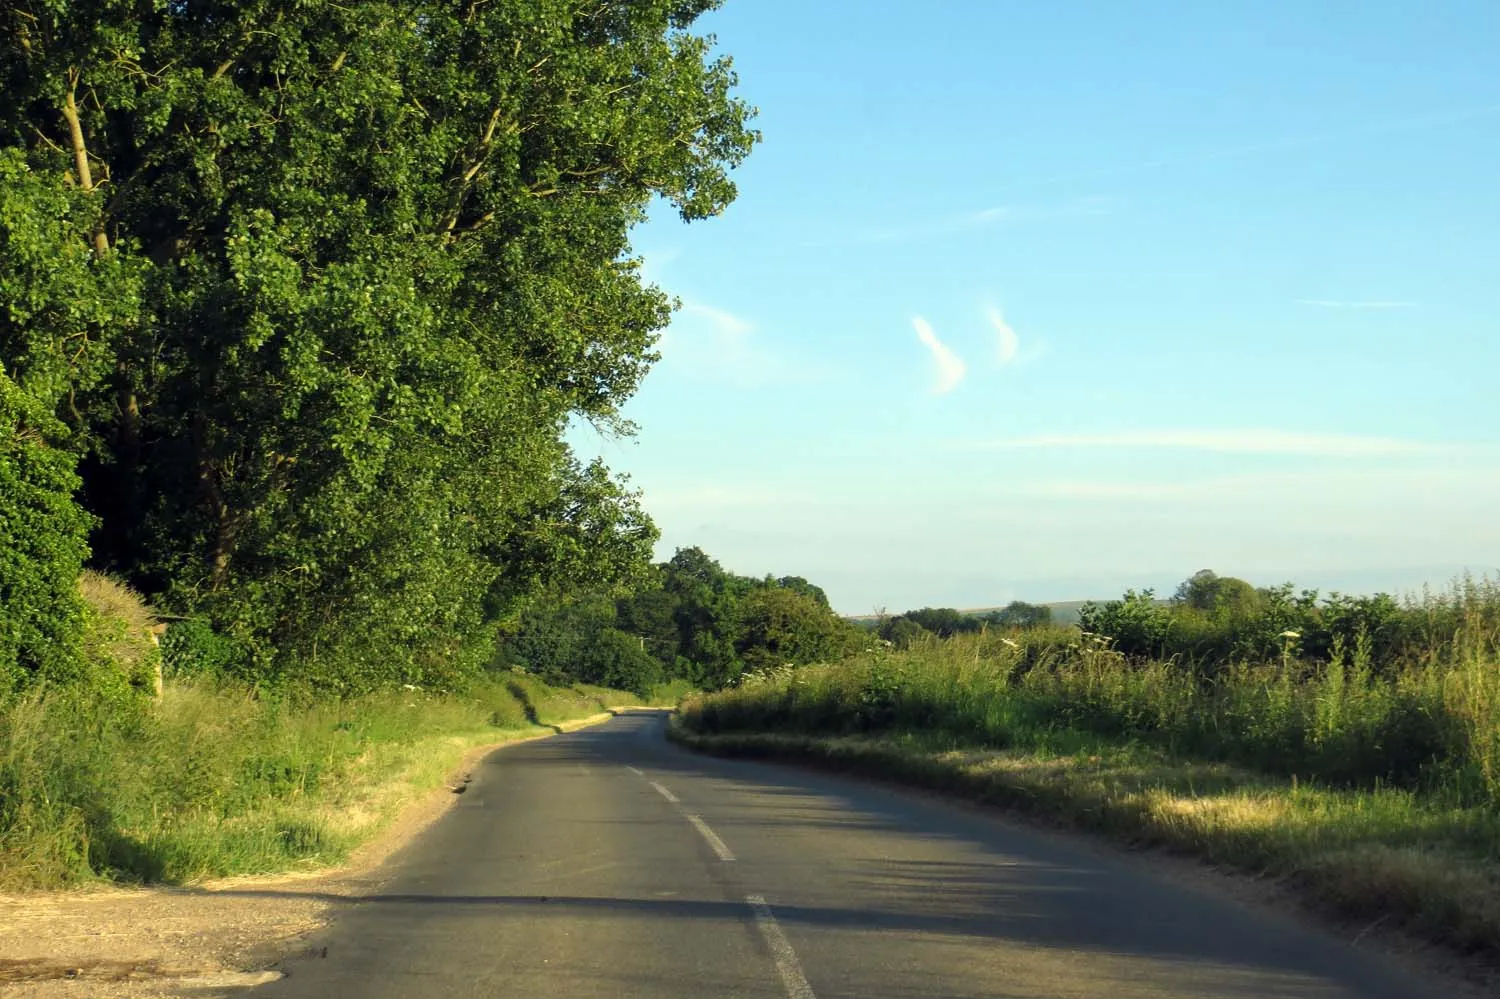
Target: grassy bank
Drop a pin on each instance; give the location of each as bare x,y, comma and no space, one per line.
1376,793
214,780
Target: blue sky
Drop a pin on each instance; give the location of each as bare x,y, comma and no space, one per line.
1041,301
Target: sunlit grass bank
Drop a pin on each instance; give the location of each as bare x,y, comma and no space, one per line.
214,779
1374,791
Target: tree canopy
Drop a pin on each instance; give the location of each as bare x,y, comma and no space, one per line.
686,619
310,293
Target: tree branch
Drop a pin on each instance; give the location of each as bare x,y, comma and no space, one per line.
460,183
81,156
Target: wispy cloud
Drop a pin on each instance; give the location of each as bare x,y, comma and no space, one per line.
950,366
651,265
706,340
709,343
724,323
1010,343
1340,303
1250,441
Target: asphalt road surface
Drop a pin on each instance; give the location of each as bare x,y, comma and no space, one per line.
609,863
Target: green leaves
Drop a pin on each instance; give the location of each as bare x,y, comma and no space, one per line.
41,549
363,264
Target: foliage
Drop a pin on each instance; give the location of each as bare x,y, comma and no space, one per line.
943,621
1206,590
905,629
42,548
902,632
780,625
318,288
1429,723
218,780
192,648
687,619
1138,624
1214,622
576,641
1020,614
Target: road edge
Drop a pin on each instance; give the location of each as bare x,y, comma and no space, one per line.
1458,973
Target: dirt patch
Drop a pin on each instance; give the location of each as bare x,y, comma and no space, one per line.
155,943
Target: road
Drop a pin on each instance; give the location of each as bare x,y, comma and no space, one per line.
610,863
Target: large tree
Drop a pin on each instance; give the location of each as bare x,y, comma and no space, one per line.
320,286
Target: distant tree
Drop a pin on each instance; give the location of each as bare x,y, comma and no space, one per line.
944,621
1019,614
903,632
706,613
780,625
1206,590
695,564
802,586
650,612
616,659
577,641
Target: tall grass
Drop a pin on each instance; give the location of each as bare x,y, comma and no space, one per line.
1373,787
1432,724
217,779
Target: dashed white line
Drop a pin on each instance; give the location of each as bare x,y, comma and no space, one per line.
634,770
719,846
782,954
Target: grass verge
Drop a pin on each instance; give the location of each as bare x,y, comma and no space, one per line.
1387,856
214,780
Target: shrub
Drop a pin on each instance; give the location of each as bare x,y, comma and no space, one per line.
42,547
194,649
615,659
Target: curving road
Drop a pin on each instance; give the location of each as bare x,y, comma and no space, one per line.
609,863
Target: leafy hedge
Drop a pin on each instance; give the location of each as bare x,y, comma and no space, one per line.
43,542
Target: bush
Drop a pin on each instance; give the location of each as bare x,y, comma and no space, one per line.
615,659
1428,723
194,649
43,544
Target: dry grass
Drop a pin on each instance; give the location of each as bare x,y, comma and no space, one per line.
117,638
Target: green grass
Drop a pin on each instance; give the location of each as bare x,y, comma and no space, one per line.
1377,793
214,780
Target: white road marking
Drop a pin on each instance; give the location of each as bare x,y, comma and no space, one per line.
634,770
719,846
781,950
